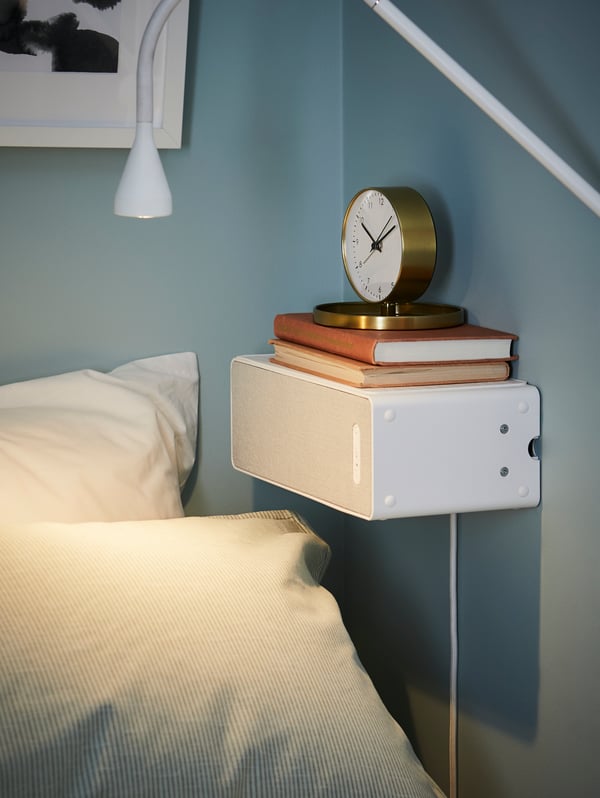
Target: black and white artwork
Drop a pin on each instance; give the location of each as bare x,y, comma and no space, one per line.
68,72
59,35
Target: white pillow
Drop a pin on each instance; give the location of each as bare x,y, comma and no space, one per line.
192,657
88,446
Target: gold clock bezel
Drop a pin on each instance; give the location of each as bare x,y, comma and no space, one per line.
418,244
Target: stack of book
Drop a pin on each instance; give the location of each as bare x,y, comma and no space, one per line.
392,358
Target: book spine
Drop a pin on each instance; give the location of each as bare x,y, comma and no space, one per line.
328,339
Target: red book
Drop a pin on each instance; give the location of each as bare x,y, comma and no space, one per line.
466,342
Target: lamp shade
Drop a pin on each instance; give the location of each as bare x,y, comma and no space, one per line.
143,191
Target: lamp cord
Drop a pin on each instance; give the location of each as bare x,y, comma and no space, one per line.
453,703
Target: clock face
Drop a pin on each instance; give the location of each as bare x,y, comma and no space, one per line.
372,245
388,244
389,251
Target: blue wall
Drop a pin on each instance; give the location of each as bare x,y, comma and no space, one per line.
519,253
290,108
257,197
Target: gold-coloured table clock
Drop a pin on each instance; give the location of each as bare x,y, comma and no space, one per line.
389,249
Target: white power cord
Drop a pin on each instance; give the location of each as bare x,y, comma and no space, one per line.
453,703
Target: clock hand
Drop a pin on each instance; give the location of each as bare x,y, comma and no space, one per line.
373,249
376,245
379,237
382,238
362,224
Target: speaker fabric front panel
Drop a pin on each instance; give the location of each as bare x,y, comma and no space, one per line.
302,435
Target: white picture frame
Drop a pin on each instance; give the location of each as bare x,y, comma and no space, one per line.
87,109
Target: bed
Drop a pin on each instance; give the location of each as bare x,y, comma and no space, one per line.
145,653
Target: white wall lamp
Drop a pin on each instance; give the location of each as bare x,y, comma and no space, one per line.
487,102
143,192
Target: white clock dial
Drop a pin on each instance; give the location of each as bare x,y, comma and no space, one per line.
372,245
388,245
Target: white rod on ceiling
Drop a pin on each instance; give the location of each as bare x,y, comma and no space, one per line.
488,103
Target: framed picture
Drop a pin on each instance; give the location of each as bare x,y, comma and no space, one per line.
68,72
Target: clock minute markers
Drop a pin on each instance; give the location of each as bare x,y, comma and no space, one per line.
368,232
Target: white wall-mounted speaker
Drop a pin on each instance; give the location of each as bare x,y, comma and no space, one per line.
386,452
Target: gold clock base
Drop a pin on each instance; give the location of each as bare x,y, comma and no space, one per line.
388,315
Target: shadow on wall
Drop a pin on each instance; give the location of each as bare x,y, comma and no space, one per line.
499,618
397,610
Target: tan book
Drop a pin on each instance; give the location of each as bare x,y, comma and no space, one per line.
394,347
363,375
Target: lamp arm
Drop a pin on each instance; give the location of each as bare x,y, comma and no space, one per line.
145,64
571,179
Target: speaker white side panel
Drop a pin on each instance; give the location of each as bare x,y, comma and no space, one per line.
455,449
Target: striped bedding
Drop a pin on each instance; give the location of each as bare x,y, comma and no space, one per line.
185,657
